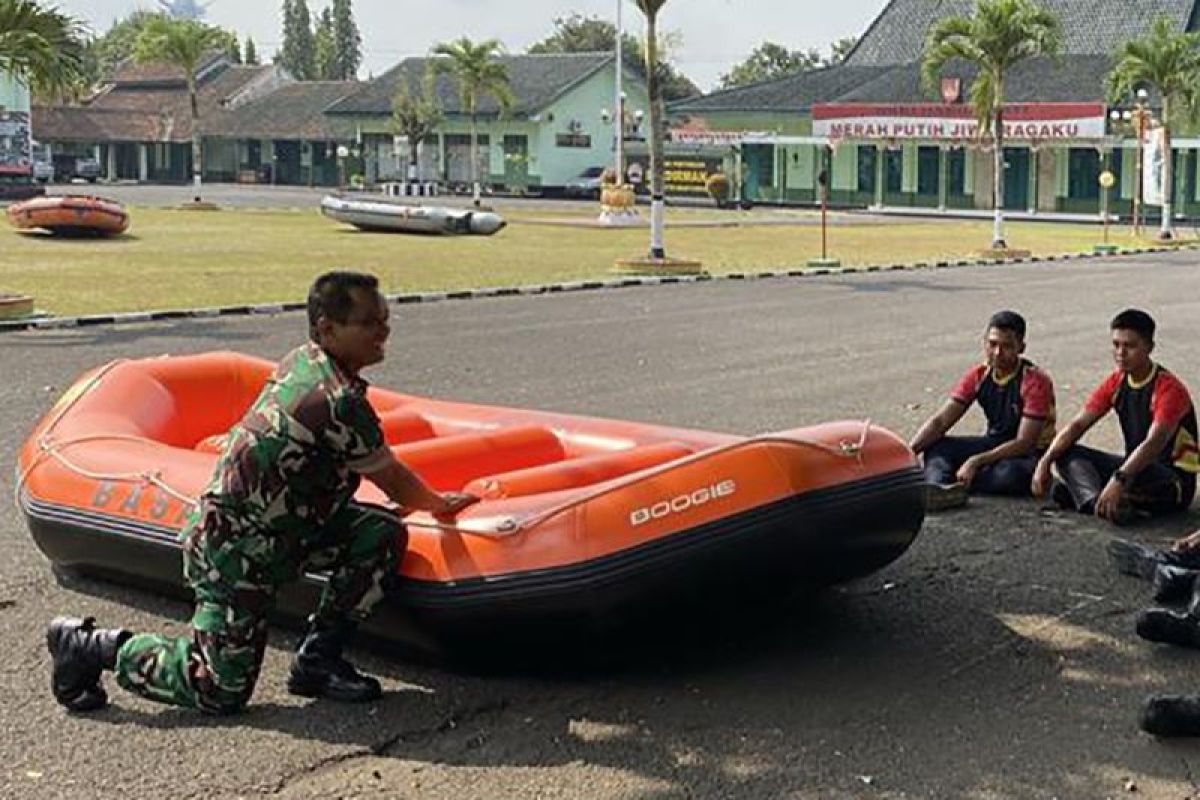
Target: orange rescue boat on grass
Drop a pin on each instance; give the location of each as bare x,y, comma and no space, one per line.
70,215
582,521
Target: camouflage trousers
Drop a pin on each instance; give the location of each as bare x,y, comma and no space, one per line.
235,570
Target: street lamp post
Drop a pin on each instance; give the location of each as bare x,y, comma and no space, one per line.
1139,118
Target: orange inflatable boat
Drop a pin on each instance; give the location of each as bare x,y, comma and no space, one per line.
70,215
582,520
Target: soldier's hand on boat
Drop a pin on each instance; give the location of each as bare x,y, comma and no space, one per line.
454,502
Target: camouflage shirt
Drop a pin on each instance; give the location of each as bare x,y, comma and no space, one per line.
294,459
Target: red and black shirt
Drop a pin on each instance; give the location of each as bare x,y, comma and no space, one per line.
1027,392
1159,398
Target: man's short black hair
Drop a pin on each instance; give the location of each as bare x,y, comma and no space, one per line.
330,296
1136,320
1008,321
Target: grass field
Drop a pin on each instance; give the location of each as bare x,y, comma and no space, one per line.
180,259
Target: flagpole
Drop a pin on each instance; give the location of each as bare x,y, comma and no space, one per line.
619,106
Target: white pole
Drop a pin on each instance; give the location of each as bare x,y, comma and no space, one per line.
619,105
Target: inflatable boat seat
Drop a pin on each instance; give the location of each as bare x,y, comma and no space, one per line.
575,472
447,463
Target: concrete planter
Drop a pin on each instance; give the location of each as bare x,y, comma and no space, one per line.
15,306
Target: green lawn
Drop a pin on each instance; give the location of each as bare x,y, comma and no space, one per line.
188,259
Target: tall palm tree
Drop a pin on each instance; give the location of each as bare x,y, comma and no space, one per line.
657,119
41,47
479,74
1001,34
1167,60
183,43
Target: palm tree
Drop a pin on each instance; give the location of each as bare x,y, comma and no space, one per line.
183,43
656,120
1167,60
41,47
1001,34
416,117
478,75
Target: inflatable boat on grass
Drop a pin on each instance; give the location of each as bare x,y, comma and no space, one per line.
373,214
70,215
584,523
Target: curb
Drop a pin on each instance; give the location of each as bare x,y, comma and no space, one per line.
93,320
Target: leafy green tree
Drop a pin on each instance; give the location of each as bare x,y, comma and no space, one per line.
41,47
250,52
840,49
416,116
183,43
1166,60
769,61
657,120
107,52
326,48
347,42
297,54
576,33
1001,34
474,67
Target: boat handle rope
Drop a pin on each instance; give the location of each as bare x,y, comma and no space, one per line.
844,449
507,527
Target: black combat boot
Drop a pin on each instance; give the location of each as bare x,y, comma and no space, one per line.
80,653
320,671
1171,716
1169,627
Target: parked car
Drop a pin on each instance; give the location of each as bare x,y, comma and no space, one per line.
585,184
43,171
87,169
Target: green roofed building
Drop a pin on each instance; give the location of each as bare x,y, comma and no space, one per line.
560,123
887,142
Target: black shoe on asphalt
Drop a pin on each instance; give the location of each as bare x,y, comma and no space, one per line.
333,679
1168,627
1173,584
1171,716
943,496
1134,558
80,653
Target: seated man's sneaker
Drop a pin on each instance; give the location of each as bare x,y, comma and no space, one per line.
1168,627
1173,584
942,496
1171,716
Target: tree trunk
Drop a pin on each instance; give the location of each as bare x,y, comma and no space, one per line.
197,149
1166,231
657,132
413,144
998,242
474,155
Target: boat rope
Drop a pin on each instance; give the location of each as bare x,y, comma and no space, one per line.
843,449
48,448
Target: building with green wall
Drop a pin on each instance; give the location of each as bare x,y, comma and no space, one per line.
781,154
560,123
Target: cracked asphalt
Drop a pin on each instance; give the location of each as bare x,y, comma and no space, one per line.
996,659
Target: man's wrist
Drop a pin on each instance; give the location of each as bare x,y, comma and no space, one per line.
1121,478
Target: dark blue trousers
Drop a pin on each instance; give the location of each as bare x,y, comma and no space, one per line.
1011,476
1157,489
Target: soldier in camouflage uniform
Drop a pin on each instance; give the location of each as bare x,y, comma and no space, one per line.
280,503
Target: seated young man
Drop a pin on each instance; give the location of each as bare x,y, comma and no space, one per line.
1157,473
1018,400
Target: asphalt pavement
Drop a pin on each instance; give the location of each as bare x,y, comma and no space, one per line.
996,659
